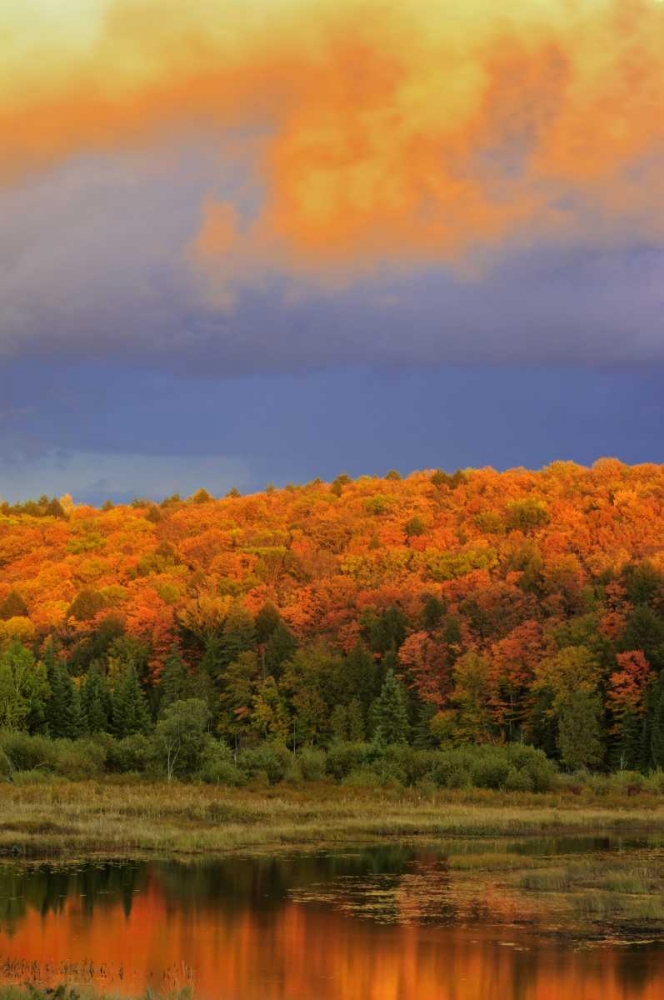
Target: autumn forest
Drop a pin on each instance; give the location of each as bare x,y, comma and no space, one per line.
437,611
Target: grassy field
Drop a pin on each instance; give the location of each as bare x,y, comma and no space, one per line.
65,818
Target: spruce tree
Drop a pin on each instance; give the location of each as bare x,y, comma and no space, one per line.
63,714
280,648
657,725
360,675
174,681
355,721
96,701
391,713
237,636
129,709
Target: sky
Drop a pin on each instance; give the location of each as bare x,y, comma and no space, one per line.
250,243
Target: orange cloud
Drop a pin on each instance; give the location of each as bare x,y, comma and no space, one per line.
390,131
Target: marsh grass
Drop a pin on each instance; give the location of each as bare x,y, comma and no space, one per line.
174,819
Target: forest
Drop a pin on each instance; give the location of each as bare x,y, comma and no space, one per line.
438,612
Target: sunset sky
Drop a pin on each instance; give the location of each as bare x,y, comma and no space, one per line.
251,242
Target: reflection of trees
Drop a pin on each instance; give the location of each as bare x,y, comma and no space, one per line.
46,888
263,884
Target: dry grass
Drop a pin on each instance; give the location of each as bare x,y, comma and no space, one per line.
176,820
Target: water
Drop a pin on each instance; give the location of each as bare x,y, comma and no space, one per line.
449,923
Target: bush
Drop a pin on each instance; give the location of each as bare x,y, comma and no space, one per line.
413,765
451,770
29,753
34,778
362,777
655,782
518,781
540,770
490,770
312,764
269,759
218,766
79,760
342,758
133,753
628,783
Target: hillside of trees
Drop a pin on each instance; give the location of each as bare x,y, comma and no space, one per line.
437,610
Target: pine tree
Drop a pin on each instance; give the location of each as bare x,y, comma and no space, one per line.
280,648
355,721
657,725
96,701
63,713
267,620
423,738
360,674
129,710
237,636
174,681
580,732
629,750
391,713
339,723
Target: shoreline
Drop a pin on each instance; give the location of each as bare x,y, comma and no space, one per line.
57,819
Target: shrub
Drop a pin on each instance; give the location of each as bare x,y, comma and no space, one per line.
628,783
79,760
451,770
218,766
29,753
362,777
540,770
518,781
312,764
490,770
342,758
133,753
270,759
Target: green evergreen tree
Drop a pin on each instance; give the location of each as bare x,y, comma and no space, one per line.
423,738
280,648
580,731
62,712
657,724
629,753
239,686
267,620
360,676
645,631
174,681
432,613
391,713
339,723
355,721
96,701
129,709
238,635
388,630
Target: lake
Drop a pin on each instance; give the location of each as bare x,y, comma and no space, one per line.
474,920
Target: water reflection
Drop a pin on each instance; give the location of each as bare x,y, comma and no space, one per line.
388,924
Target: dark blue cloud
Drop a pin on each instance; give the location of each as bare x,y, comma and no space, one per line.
205,432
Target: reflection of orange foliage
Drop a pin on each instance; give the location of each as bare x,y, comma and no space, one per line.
308,951
422,127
